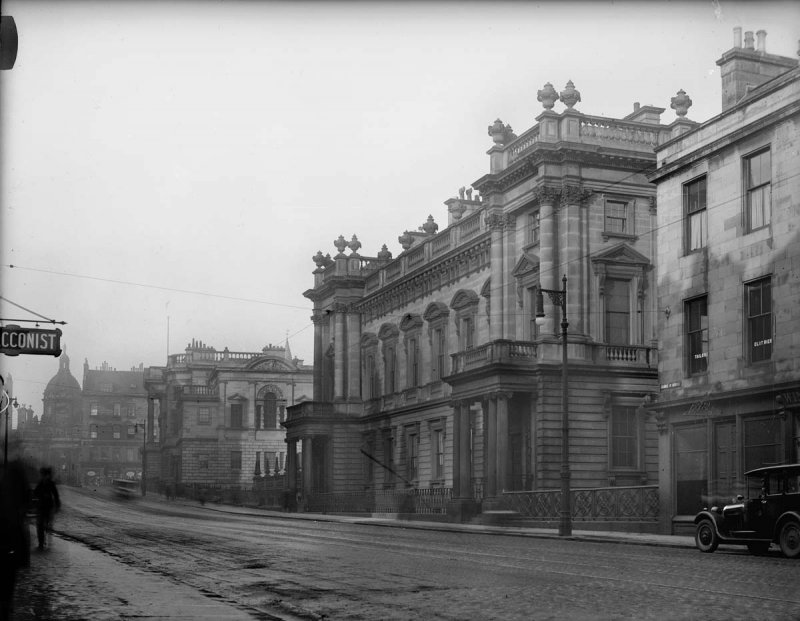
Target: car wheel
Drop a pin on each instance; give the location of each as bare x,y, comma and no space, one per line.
759,548
705,537
790,539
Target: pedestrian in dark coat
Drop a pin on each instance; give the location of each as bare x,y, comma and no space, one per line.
47,503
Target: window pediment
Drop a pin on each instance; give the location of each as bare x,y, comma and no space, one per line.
622,254
410,321
436,310
463,299
527,264
388,331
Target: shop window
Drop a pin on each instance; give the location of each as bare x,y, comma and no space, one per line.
763,442
695,214
696,313
758,186
758,299
691,472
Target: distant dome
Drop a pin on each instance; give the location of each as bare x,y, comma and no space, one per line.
63,383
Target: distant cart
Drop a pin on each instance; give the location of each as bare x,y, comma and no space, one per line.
125,488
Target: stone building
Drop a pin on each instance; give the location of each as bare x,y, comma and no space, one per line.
114,407
54,438
215,417
430,371
729,286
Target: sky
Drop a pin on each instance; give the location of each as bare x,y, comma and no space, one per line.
168,169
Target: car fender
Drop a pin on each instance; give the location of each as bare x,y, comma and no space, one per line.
785,517
715,517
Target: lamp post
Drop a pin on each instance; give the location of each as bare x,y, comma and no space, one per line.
559,298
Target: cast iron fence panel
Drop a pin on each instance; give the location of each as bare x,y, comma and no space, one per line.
614,504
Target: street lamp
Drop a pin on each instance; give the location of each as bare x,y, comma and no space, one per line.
559,298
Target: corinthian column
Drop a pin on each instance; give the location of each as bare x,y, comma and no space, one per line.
496,223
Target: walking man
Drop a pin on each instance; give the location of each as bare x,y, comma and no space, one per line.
47,503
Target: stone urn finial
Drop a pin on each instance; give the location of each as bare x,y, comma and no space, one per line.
681,103
548,96
341,244
497,131
570,95
319,259
384,254
354,245
406,239
430,227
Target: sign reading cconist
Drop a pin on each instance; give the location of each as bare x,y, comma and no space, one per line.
15,340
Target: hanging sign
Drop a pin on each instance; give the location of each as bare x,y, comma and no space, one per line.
15,340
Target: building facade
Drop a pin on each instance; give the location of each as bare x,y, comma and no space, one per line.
729,287
114,408
215,417
430,371
54,438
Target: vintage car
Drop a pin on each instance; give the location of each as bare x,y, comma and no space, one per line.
769,514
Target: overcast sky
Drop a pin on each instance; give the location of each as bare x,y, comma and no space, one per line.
170,168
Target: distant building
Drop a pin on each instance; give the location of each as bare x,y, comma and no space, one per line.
54,439
215,417
430,371
114,410
729,286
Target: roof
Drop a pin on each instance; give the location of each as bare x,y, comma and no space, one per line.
119,382
769,469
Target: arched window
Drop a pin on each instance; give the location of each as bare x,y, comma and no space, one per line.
270,411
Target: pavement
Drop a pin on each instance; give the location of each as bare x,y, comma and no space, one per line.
69,581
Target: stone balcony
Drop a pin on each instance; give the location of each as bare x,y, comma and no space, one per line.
529,354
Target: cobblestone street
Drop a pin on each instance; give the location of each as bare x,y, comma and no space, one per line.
171,560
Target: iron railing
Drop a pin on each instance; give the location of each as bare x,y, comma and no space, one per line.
615,504
425,501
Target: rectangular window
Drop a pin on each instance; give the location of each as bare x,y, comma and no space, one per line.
202,461
94,409
438,454
758,186
468,331
618,311
204,416
236,415
695,214
93,432
624,438
413,362
616,217
117,434
236,460
697,335
389,361
117,410
412,456
372,381
388,460
438,370
758,298
533,227
131,430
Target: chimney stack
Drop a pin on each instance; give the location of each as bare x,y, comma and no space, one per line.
762,41
743,68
